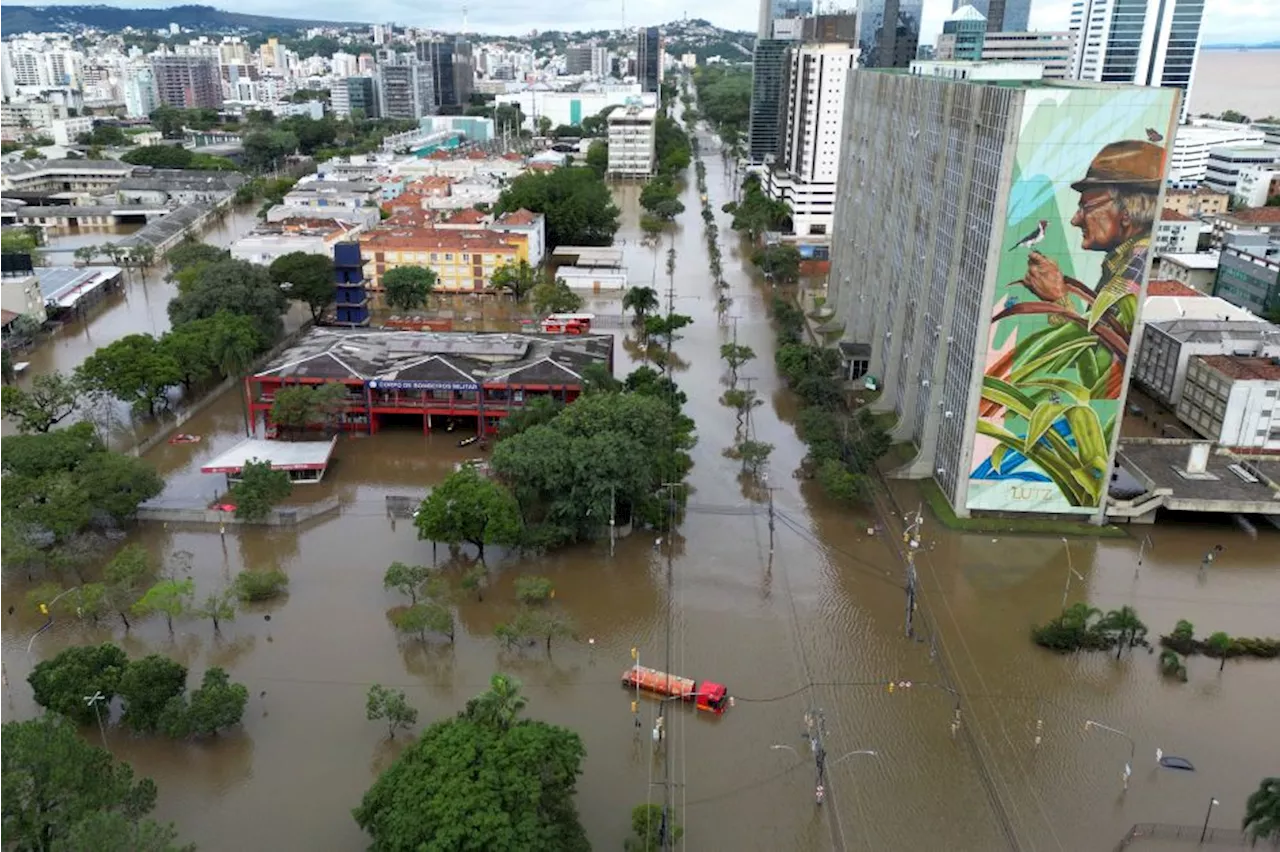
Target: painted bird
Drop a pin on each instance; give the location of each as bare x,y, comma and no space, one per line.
1032,238
1154,135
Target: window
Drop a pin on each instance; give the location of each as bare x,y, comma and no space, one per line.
448,258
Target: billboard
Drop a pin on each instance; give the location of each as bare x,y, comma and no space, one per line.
1088,168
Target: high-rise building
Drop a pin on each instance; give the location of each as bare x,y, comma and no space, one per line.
188,82
1051,49
994,246
1144,42
1001,15
775,10
577,59
355,93
768,79
889,32
807,164
962,35
140,97
451,71
632,143
405,89
649,59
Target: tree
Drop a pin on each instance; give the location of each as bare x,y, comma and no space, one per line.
647,826
295,408
406,579
19,241
24,330
546,625
259,489
518,279
1261,811
640,301
532,591
544,125
218,607
233,340
735,355
236,287
125,576
112,831
1125,626
741,401
840,483
407,288
60,791
217,704
575,201
51,398
251,586
468,507
753,455
135,369
146,687
598,157
1219,644
499,705
1171,665
660,196
666,326
780,263
188,347
554,297
263,149
306,278
382,703
172,598
423,618
86,254
190,253
61,684
475,580
469,785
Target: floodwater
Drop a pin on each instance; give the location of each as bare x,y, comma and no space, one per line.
818,626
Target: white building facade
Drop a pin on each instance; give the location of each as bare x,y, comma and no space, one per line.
1189,159
632,142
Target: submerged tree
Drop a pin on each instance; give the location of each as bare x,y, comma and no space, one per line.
391,706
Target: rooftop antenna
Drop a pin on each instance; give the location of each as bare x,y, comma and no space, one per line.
464,19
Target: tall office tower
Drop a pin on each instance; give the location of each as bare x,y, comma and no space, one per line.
889,32
1002,15
1144,42
450,61
188,82
355,93
774,10
405,89
994,246
962,35
577,59
808,162
768,97
649,59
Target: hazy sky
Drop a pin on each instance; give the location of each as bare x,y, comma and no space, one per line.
1226,20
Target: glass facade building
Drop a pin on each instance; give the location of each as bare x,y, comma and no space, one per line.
890,32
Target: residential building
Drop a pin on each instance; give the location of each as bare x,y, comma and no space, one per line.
944,187
463,260
571,107
187,82
1197,270
1006,16
272,240
1264,220
769,66
578,58
140,96
20,288
355,93
807,165
1051,49
1199,200
649,59
1168,346
19,118
451,70
406,89
432,378
963,35
531,226
1249,271
632,141
1222,172
1255,185
66,131
889,32
1233,400
1142,42
349,194
1189,159
1176,233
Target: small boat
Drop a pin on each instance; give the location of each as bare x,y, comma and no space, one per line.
184,438
466,442
704,695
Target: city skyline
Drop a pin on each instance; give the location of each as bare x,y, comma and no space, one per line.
1243,21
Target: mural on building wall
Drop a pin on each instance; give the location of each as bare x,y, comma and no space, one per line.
1089,165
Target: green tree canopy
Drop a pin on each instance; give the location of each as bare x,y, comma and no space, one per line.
468,507
780,262
135,369
406,579
259,489
306,278
169,597
640,301
391,706
236,287
576,202
554,297
51,398
407,288
472,785
218,703
518,279
1262,811
146,687
598,157
62,683
263,149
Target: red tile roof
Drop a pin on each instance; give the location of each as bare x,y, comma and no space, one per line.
518,217
1169,287
467,216
1237,367
1257,215
1170,215
543,167
1199,190
434,239
7,316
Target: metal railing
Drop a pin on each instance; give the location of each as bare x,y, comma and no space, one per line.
1215,836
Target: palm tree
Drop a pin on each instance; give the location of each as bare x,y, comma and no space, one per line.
1262,811
1079,615
1125,625
640,300
1171,664
1219,643
499,705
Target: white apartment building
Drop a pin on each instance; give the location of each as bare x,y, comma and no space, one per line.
1176,233
632,142
1189,159
140,95
66,131
18,118
1255,184
1143,42
804,173
1233,400
1053,50
1225,164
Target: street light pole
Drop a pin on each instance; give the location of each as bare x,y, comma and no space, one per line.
1205,828
1070,570
1128,767
95,701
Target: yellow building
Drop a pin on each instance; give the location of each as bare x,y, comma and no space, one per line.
464,261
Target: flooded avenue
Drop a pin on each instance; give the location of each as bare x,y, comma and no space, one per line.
818,626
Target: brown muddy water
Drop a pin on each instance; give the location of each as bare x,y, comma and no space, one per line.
818,626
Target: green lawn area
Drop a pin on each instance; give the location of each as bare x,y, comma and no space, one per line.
942,511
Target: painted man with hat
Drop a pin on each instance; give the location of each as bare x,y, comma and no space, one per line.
1116,214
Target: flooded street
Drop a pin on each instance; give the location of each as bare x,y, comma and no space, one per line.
818,626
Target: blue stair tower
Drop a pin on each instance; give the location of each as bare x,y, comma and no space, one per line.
350,295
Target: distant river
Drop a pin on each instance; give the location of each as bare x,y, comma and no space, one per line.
1247,81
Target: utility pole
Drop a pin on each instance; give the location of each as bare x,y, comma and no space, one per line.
911,536
613,519
816,728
